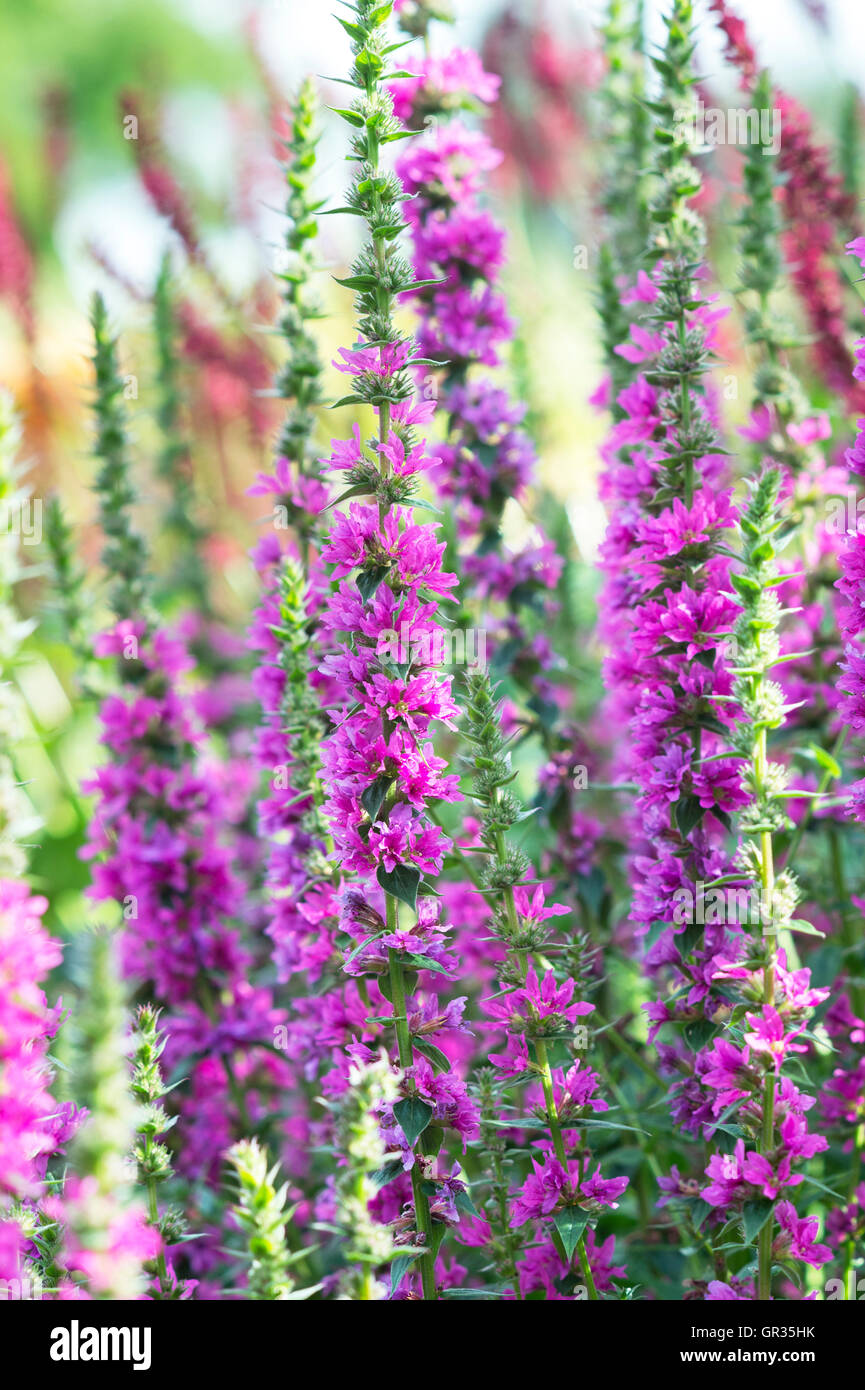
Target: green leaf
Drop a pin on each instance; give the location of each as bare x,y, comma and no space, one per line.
699,1033
353,117
410,289
382,1176
354,31
822,1187
401,135
357,490
465,1203
398,1270
745,585
592,1123
412,1115
803,928
494,1291
570,1223
432,1053
754,1217
357,282
401,882
699,1212
373,798
688,813
360,945
426,963
431,1141
369,580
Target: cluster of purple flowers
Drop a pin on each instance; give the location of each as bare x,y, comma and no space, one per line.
32,1126
486,458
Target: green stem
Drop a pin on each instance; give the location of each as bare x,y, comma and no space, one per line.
850,1291
766,1237
767,1139
153,1219
501,1189
406,1060
555,1129
685,406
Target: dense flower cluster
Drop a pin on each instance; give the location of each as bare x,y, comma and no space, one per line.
487,458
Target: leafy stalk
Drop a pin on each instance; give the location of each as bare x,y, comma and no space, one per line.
125,553
506,868
153,1157
378,275
761,701
260,1211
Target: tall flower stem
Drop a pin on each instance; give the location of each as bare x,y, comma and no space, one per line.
767,885
558,1144
520,925
406,1061
378,806
761,700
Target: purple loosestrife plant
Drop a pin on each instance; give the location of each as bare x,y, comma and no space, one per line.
106,1239
488,461
770,998
666,588
843,1103
284,627
676,605
161,848
783,427
151,733
852,587
32,1125
622,123
704,779
486,457
379,766
362,1146
746,1064
174,464
303,881
537,1012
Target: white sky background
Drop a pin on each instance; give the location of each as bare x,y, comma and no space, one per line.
298,37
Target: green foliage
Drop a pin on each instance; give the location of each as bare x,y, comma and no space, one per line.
125,553
259,1208
83,58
